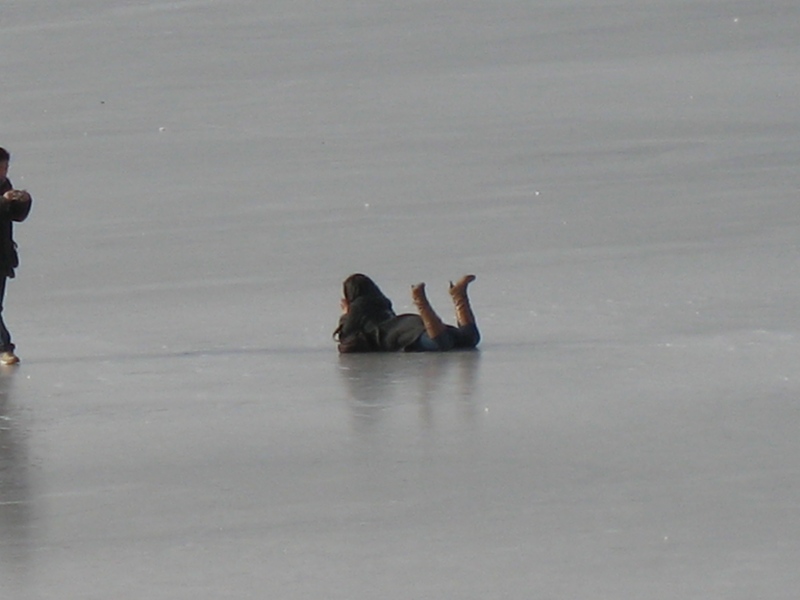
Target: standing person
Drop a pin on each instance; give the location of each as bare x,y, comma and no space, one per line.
369,324
14,206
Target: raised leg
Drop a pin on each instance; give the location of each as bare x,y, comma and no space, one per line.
458,291
434,326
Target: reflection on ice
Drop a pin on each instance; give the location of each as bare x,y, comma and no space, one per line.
16,496
378,379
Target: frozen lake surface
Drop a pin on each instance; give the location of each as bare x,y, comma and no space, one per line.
621,176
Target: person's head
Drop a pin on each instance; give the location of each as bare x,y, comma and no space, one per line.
365,306
5,157
359,286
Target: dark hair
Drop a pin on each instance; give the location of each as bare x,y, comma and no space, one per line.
367,308
5,156
360,286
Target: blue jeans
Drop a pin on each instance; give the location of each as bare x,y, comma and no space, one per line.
453,338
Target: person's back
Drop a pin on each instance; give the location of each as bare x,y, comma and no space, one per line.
400,332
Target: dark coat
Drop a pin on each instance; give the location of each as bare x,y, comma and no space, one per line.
376,328
10,211
400,332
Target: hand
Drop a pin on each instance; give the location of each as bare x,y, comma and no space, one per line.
17,195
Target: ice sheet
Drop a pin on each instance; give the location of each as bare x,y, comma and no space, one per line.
621,176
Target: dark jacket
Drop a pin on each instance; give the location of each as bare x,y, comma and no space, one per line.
376,328
10,211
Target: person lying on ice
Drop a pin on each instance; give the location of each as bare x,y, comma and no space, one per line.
368,323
